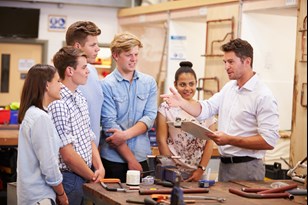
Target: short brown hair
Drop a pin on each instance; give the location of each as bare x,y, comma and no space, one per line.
67,56
241,48
124,42
78,32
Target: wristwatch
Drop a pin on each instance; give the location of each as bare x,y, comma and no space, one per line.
202,167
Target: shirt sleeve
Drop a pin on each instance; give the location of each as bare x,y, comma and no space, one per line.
60,117
162,108
268,119
44,145
108,111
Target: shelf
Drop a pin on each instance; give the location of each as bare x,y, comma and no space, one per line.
168,6
102,66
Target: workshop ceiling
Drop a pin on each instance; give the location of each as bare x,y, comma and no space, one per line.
102,3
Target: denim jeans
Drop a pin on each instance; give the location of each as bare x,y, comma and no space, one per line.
73,187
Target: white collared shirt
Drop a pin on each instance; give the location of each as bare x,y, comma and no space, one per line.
246,111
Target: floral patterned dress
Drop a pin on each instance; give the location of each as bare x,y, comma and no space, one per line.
181,143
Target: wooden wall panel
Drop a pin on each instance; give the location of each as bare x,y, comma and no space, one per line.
299,120
214,66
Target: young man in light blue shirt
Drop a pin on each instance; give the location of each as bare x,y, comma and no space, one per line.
83,35
129,111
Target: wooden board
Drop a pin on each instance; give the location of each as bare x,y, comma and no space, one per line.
8,137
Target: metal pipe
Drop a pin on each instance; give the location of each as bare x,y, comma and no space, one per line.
216,79
261,196
298,192
207,34
253,190
278,190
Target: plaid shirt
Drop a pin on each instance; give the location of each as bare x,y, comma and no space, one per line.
71,118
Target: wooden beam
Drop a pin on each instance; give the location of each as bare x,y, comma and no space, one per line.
170,5
265,4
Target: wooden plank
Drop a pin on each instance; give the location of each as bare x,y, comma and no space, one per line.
170,5
264,4
8,137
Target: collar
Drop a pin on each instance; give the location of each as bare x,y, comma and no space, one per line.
252,82
67,91
119,77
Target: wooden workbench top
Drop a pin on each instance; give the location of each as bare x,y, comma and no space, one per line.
9,135
97,194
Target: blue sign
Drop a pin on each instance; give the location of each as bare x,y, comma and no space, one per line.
57,23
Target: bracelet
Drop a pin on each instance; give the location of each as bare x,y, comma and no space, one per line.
60,194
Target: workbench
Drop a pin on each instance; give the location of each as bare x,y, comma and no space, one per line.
97,194
9,135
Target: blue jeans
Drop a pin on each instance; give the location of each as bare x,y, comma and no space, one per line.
72,184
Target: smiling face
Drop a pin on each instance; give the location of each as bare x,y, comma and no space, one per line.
186,85
127,61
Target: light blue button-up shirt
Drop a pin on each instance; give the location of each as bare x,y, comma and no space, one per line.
37,161
92,91
246,111
125,104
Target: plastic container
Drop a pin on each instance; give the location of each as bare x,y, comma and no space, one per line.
5,116
133,177
14,117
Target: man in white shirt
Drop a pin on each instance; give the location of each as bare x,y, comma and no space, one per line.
248,120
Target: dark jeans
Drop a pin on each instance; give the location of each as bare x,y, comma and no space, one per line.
118,170
72,184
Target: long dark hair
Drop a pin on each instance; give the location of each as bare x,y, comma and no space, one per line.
34,88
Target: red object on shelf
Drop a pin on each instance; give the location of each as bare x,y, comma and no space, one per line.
5,116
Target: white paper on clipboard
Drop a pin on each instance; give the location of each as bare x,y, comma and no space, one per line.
195,129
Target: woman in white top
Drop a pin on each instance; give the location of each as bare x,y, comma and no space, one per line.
39,180
195,153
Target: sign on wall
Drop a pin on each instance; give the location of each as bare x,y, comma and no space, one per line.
56,23
177,47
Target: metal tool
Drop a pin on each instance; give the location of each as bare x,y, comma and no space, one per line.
159,197
300,178
146,201
218,199
163,183
177,192
106,181
112,188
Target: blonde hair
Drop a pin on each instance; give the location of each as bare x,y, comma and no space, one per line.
124,42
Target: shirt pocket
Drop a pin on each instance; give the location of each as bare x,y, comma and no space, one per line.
141,101
121,103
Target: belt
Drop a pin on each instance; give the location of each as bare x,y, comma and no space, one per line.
228,160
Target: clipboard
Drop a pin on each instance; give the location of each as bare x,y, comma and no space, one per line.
194,128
